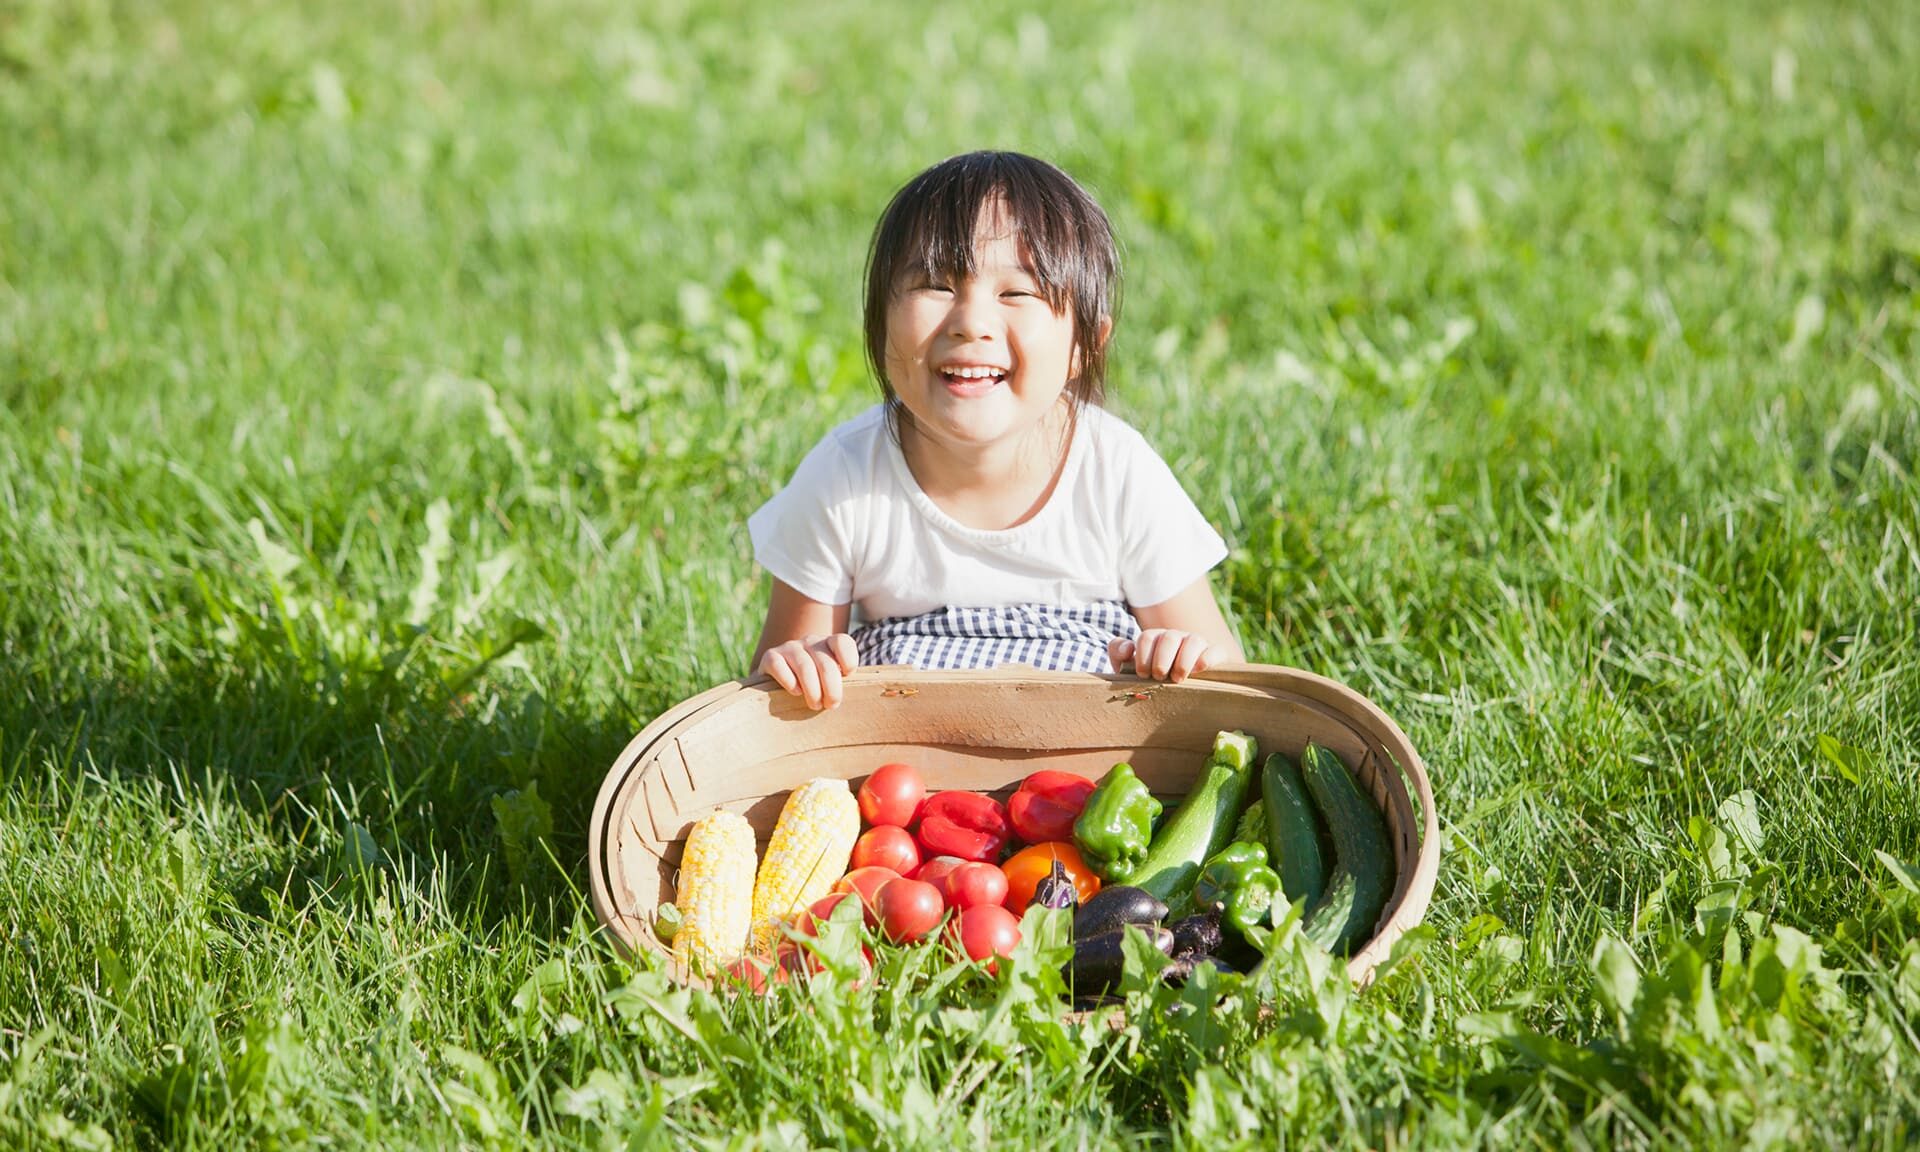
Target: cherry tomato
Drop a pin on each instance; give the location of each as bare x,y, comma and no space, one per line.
936,871
986,932
886,846
892,796
797,960
909,909
867,882
1046,805
808,922
964,883
975,883
756,975
1027,867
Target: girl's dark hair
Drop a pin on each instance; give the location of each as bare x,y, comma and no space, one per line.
929,228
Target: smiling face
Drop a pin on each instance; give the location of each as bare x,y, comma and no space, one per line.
978,361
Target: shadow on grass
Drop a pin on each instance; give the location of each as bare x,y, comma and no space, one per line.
414,766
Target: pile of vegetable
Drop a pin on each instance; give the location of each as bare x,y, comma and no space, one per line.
1204,884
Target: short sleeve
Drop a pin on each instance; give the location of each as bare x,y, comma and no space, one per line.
1165,543
800,535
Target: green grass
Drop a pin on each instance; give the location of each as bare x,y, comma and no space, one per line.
384,387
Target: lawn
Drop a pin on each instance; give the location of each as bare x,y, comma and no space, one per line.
384,388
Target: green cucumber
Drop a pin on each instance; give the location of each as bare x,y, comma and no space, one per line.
1204,822
1362,879
1293,837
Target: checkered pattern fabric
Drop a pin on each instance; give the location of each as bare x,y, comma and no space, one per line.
1041,635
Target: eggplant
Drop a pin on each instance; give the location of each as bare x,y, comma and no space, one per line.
1056,891
1196,935
1116,905
1099,960
1183,968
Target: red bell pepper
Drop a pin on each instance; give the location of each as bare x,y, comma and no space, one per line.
1047,804
964,824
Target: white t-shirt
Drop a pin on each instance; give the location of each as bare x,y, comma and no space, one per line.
853,526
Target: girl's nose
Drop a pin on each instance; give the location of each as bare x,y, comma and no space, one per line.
970,318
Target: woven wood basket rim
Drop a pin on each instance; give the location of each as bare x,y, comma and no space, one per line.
1415,887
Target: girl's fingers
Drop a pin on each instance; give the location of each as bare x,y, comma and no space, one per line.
1187,658
775,665
844,650
1166,649
1119,651
809,674
829,672
1143,647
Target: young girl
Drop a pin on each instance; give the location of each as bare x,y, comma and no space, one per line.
988,510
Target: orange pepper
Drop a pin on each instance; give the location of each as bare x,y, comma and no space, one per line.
1027,867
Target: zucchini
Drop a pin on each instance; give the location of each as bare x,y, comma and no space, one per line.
1362,878
1204,823
1293,837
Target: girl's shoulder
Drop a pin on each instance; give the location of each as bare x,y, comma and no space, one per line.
1114,442
856,442
849,458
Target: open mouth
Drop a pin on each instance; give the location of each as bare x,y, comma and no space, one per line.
973,380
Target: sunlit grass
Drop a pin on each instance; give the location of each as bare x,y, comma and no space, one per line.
383,391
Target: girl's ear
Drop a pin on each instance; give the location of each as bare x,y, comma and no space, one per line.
1099,341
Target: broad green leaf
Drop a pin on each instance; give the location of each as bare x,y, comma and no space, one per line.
545,978
1905,874
277,560
1740,812
1851,763
425,596
1616,975
524,822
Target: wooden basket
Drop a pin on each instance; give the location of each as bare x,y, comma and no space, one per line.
746,744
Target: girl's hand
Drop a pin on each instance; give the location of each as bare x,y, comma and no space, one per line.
811,667
1167,654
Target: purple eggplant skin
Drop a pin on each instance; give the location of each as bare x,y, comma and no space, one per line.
1196,935
1056,891
1098,961
1114,906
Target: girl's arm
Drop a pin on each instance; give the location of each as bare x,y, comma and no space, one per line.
804,646
1179,636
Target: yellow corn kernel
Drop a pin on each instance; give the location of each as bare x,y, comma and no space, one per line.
715,896
809,851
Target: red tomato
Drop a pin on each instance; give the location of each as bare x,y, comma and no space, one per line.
886,846
807,922
1047,804
798,960
756,975
985,932
964,883
892,796
1026,868
867,882
964,824
909,909
936,870
975,883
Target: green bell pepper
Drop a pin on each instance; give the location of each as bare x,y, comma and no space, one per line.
1114,829
1237,883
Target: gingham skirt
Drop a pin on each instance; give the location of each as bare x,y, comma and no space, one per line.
1041,635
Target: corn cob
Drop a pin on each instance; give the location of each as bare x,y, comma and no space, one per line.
716,892
809,851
